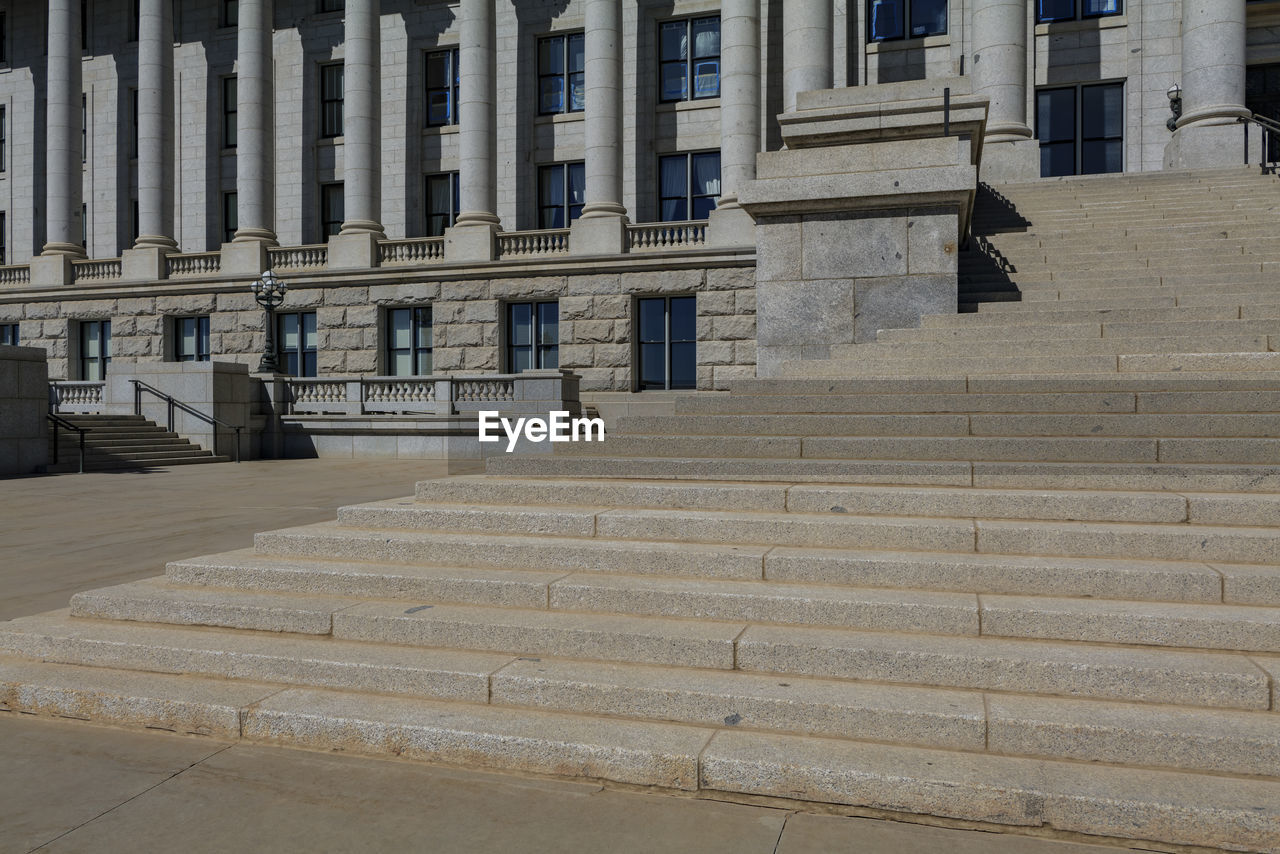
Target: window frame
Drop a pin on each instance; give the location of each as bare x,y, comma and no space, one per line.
1078,138
451,89
330,191
689,61
102,361
565,75
4,237
667,342
325,6
133,112
4,37
331,106
416,351
1078,13
229,13
230,215
537,349
908,19
4,137
10,334
689,196
230,111
201,335
454,193
569,210
302,352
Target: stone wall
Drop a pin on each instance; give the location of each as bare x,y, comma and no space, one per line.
596,311
24,400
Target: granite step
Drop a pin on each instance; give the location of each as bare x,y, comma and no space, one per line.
911,402
1086,346
850,387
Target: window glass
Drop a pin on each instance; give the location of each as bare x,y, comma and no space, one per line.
1102,129
1056,130
577,61
678,64
1081,129
674,189
9,334
442,202
667,342
887,19
928,17
331,94
1095,8
442,87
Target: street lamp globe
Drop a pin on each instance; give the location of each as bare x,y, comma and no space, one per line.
268,292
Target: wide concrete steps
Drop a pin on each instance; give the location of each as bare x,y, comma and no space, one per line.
717,756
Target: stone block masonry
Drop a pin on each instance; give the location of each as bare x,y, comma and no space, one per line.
24,399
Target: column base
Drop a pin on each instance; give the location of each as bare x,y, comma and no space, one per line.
155,241
51,270
244,258
250,234
143,264
478,242
598,235
354,251
363,226
731,226
1010,161
73,250
1210,146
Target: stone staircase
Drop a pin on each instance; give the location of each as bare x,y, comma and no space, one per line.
1044,600
122,442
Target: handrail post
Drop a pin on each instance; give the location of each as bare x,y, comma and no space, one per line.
137,397
82,452
237,444
169,400
56,442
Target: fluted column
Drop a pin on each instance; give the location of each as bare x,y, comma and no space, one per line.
362,138
739,96
477,104
155,125
806,48
255,155
64,171
603,118
1000,66
1213,61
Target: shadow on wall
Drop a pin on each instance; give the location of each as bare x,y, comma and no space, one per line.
899,65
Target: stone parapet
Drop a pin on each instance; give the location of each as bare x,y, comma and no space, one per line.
24,400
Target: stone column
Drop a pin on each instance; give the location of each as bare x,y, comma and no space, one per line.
155,125
806,48
1000,74
739,119
255,149
1213,88
362,139
602,226
64,169
472,238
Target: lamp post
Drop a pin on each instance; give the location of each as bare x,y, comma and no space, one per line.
269,291
1175,106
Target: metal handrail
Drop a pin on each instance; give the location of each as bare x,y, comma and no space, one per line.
59,421
139,387
1269,126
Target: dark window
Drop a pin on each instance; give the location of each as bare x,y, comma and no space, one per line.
9,334
900,19
409,342
4,37
84,24
135,228
442,87
1081,129
230,216
667,342
4,241
561,63
230,126
678,65
442,202
191,339
296,343
331,100
562,188
84,224
533,336
84,127
331,5
133,123
4,138
134,18
1069,10
230,13
689,185
331,210
95,349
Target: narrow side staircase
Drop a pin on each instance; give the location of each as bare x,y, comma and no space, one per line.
122,442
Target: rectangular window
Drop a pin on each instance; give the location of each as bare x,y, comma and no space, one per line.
4,241
191,339
533,336
562,188
4,139
409,342
1081,129
678,65
95,349
230,13
331,100
85,18
4,37
900,19
561,64
442,88
331,5
84,127
135,14
135,227
442,202
296,343
133,123
230,216
9,334
689,185
667,342
1048,11
230,109
331,210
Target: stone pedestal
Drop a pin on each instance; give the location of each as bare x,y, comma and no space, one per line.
51,270
1010,161
354,251
598,235
471,243
1211,146
24,400
860,219
146,264
244,258
731,227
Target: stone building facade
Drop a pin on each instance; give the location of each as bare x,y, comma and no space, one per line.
148,179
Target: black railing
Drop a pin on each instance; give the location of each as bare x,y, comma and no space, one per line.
61,423
174,404
1270,130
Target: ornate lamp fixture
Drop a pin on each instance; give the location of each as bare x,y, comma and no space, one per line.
269,291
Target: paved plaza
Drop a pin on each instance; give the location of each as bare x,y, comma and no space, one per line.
71,786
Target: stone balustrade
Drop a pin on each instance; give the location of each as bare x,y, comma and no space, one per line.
526,244
97,270
194,264
415,250
444,395
81,397
15,275
661,236
298,257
